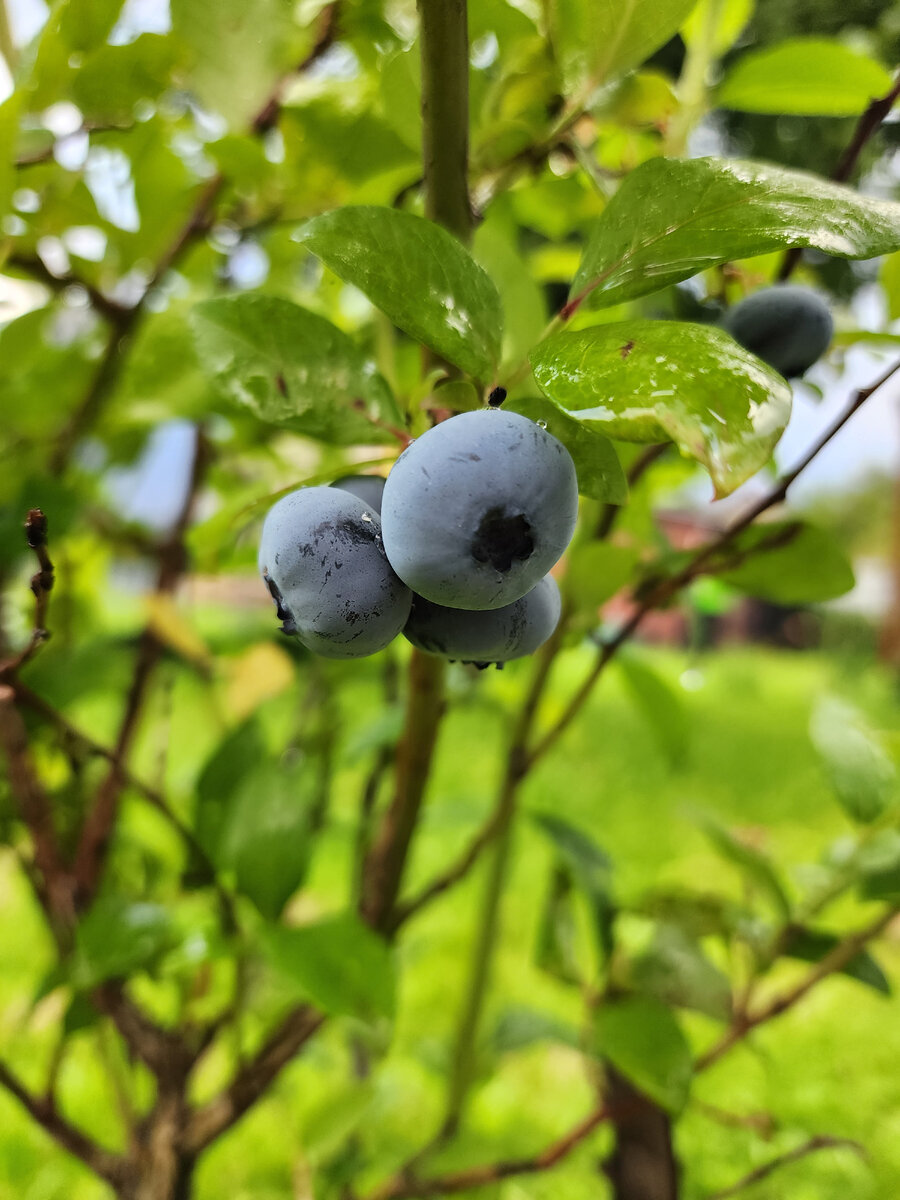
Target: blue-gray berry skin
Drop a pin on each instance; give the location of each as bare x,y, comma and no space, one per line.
787,326
322,559
368,488
490,635
478,509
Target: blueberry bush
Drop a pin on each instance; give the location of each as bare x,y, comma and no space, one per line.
420,313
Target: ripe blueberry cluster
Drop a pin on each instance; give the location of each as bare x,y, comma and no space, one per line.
453,549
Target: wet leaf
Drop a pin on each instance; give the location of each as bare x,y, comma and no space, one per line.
420,276
291,367
656,381
673,217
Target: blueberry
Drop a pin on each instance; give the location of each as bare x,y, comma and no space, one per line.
489,636
478,509
322,559
787,326
367,487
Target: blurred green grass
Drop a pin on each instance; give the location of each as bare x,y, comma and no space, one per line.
827,1067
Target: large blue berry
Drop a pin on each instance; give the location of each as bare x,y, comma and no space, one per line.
478,509
322,559
490,635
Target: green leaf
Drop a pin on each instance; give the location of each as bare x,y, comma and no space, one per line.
675,970
643,1041
49,378
82,27
596,571
268,835
860,772
80,1014
556,945
290,367
600,474
237,52
804,76
419,275
812,945
253,818
595,40
655,381
591,868
338,963
660,704
717,23
672,218
238,754
114,78
117,938
519,1028
879,864
788,563
752,863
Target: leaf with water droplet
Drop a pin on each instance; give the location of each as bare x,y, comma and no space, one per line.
420,277
689,384
672,218
291,368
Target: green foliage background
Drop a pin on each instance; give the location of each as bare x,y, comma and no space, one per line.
198,232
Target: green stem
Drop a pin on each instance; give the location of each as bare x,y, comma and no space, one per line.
445,113
692,89
464,1058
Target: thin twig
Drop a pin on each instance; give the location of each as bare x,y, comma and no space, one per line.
35,267
836,959
814,1144
41,586
108,1166
408,1187
210,1121
454,874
